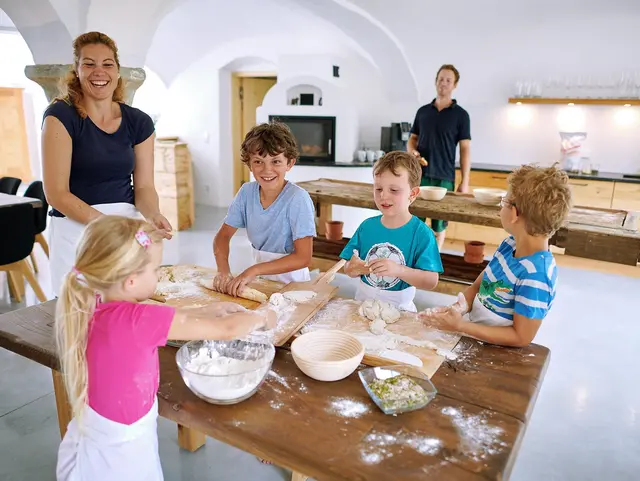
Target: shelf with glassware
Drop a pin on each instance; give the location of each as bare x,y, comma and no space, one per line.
613,89
572,101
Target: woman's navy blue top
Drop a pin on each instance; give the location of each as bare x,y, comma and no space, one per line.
101,163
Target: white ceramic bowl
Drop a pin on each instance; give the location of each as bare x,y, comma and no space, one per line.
487,196
327,355
432,192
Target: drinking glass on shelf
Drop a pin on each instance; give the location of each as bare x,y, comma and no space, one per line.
567,86
519,89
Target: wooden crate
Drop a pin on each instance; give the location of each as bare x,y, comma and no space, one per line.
174,183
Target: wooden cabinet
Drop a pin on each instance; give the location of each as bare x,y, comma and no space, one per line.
591,193
626,196
14,148
174,183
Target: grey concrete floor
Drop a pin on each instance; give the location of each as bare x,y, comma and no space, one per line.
585,425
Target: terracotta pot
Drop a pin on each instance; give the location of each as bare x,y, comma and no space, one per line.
334,229
474,252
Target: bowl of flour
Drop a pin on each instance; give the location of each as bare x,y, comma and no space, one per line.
224,372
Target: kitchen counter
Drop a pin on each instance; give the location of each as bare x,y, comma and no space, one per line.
604,176
318,163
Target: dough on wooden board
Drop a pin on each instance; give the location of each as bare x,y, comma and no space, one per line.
374,309
299,296
377,326
246,293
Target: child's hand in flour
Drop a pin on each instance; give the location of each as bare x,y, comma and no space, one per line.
356,267
237,285
442,318
385,268
222,281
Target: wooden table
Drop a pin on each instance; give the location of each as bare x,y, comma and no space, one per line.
291,422
7,200
589,232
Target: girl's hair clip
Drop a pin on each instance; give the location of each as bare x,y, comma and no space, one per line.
143,239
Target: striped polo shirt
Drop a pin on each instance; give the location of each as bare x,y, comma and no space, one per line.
521,285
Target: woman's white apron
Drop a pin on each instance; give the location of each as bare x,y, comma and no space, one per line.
301,275
403,299
103,450
64,235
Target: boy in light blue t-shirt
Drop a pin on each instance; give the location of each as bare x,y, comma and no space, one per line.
510,298
278,215
396,252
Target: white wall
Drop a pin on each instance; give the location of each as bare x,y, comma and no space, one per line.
14,55
493,46
212,40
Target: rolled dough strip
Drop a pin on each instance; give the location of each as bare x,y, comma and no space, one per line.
247,293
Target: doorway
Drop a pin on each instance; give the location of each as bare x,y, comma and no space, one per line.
247,93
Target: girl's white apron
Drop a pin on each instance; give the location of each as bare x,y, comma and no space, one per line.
301,275
403,300
64,235
103,450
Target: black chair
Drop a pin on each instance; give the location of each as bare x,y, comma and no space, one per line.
16,243
36,191
9,185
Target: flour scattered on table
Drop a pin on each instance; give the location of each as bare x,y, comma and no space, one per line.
376,446
348,408
279,378
299,296
276,404
478,439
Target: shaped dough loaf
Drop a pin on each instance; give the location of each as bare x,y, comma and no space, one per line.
247,293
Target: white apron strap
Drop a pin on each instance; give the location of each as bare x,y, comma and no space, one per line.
300,275
402,299
101,450
482,315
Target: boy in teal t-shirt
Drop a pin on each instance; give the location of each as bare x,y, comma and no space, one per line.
399,251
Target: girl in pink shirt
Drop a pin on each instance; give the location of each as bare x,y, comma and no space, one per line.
108,348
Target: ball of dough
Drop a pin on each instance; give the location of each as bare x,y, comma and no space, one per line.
377,326
389,313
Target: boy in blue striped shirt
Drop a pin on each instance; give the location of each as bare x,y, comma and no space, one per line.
512,296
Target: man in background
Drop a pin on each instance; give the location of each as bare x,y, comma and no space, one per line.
437,130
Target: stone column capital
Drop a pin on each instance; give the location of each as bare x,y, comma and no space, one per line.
48,76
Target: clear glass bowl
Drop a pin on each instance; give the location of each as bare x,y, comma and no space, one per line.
209,369
400,403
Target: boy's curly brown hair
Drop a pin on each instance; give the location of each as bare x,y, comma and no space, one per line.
542,196
393,161
271,138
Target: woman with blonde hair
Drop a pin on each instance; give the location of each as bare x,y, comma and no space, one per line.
97,152
108,348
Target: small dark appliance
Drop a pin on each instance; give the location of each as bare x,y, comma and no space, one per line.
395,137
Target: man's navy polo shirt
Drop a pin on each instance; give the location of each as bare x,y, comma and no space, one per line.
438,135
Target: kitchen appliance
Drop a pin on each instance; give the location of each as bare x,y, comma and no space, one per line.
395,137
315,136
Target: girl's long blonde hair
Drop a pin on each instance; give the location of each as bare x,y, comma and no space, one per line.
107,254
70,88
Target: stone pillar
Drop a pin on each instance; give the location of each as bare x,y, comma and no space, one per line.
49,77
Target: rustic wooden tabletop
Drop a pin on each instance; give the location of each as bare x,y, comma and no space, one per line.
332,431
